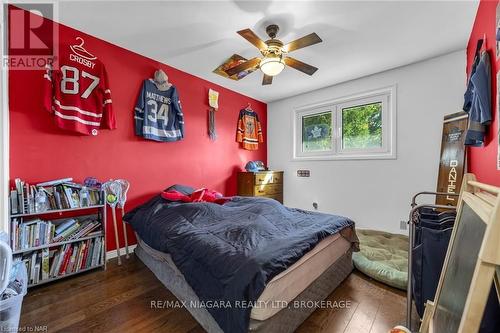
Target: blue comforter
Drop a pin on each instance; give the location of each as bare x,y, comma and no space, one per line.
227,253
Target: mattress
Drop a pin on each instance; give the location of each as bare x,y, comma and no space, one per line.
287,285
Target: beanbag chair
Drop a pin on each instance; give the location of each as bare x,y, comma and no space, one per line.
383,256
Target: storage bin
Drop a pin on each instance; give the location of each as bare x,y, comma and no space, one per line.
10,308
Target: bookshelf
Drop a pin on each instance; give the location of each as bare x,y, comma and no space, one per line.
62,241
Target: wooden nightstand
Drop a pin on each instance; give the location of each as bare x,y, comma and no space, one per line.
267,184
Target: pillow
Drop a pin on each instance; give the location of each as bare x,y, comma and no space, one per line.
186,190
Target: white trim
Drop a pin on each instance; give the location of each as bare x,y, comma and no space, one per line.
107,101
75,118
388,97
4,131
74,108
163,133
114,253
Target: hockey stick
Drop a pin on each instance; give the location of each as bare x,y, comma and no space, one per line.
125,185
112,190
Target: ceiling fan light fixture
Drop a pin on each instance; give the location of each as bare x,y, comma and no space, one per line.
272,65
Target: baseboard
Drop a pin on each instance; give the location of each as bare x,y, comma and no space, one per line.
113,253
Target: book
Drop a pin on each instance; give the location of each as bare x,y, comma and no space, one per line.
55,182
66,258
27,263
36,277
64,225
101,253
66,233
98,250
45,264
57,197
88,260
36,234
14,202
60,259
85,254
32,267
53,265
14,237
95,252
69,197
72,259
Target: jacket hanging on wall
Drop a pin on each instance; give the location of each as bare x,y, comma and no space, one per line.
158,113
477,98
249,131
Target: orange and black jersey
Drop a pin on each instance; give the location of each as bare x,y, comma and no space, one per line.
249,131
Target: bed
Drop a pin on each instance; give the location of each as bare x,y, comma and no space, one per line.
260,274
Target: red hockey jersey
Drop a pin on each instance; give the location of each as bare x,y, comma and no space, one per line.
77,92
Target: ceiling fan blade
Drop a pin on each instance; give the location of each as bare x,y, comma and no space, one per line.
300,66
267,79
252,63
250,36
308,40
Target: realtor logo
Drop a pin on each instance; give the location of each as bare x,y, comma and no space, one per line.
31,35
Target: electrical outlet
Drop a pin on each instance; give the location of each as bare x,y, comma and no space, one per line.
303,173
403,225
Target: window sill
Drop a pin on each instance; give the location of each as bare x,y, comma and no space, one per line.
387,156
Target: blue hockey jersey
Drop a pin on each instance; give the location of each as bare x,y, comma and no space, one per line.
158,114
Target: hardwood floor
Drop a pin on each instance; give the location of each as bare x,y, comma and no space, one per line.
119,300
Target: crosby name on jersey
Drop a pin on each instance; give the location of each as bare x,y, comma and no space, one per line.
77,93
158,113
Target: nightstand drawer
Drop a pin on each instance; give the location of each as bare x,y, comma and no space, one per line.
261,184
271,177
265,190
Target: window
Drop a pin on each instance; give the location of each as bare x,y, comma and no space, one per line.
358,127
317,132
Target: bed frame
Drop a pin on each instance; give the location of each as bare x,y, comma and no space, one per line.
286,320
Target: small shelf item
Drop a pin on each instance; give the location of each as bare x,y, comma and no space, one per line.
63,238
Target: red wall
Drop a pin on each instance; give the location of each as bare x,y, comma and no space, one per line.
482,161
40,151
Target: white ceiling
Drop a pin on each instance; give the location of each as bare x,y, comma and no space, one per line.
359,38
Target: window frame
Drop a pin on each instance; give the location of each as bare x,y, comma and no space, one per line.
387,96
298,138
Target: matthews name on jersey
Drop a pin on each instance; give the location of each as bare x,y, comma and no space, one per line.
77,93
158,114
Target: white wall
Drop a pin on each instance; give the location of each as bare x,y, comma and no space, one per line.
4,133
374,193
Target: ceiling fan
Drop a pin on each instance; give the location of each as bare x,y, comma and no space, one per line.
275,54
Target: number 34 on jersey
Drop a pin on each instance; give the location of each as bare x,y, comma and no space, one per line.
158,113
